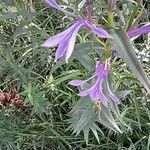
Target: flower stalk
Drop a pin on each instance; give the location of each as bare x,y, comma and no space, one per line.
110,18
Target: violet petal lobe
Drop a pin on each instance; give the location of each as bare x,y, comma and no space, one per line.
87,92
77,82
100,32
112,96
101,72
53,41
94,93
72,40
103,98
61,49
139,31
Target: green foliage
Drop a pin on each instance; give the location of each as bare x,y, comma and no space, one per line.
52,106
36,99
126,50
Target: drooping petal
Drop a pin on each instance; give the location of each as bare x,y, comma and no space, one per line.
72,41
100,32
61,49
94,93
77,82
112,96
139,31
87,92
103,98
53,41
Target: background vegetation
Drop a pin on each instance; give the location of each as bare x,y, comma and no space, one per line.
29,70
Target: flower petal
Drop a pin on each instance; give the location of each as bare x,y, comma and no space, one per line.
94,94
112,96
72,41
139,31
61,49
102,69
53,41
77,82
87,92
100,32
103,98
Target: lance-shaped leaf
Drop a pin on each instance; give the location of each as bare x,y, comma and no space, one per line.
85,117
127,52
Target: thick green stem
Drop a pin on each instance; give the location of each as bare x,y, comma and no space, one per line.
108,44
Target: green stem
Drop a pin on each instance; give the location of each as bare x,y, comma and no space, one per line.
107,53
108,43
110,18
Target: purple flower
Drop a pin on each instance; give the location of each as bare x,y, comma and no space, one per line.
96,90
139,31
55,5
135,30
132,34
66,39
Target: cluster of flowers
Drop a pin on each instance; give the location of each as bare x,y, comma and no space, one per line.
66,41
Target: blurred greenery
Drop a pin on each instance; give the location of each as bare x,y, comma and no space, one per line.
24,25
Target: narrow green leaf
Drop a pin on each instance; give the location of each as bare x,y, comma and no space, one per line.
85,61
86,117
122,94
95,134
86,131
66,76
108,120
